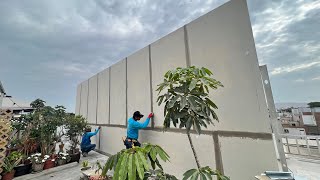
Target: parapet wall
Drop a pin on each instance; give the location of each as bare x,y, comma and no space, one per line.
240,145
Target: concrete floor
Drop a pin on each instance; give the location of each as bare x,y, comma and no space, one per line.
71,172
303,168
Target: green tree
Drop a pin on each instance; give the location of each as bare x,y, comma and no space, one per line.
314,104
38,104
187,104
75,126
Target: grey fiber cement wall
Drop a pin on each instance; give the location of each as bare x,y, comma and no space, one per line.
240,145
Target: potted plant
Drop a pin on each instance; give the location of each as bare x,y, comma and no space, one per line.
75,126
134,163
62,158
28,146
49,162
85,165
10,162
24,168
188,104
37,162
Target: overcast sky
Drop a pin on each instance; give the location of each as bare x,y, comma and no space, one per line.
47,47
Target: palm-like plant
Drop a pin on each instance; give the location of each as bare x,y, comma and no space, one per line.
187,103
132,164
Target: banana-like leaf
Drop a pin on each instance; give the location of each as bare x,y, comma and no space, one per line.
143,159
124,167
139,166
131,168
117,169
153,154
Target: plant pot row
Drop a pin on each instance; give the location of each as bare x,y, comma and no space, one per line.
27,168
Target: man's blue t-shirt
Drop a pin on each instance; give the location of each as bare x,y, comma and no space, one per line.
134,126
86,138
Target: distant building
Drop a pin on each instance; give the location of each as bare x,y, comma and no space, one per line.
17,106
300,118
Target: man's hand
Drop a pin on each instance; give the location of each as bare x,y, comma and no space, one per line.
150,115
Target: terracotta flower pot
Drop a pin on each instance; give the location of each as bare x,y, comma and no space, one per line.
48,164
8,176
37,167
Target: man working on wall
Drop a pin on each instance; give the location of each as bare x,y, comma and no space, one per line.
86,145
133,129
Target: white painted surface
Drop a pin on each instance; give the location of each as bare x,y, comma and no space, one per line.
77,110
112,139
295,131
92,99
166,54
84,99
139,98
118,93
309,120
220,41
177,146
244,158
103,97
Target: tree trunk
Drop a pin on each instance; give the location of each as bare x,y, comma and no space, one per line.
193,150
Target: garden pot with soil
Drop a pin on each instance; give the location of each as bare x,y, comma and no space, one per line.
75,157
8,176
37,167
23,169
49,164
61,162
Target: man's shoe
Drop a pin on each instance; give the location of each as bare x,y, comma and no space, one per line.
84,154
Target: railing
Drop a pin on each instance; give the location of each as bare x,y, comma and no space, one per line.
301,145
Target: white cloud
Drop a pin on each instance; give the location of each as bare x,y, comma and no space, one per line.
288,69
316,78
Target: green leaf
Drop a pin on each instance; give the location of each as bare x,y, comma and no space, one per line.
192,103
202,176
214,115
212,104
162,155
153,154
124,167
195,176
183,102
193,84
189,123
139,166
207,71
143,160
197,127
208,175
158,164
206,87
117,169
131,168
189,173
153,164
165,154
173,100
160,99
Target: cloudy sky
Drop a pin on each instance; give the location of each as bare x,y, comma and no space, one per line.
47,47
